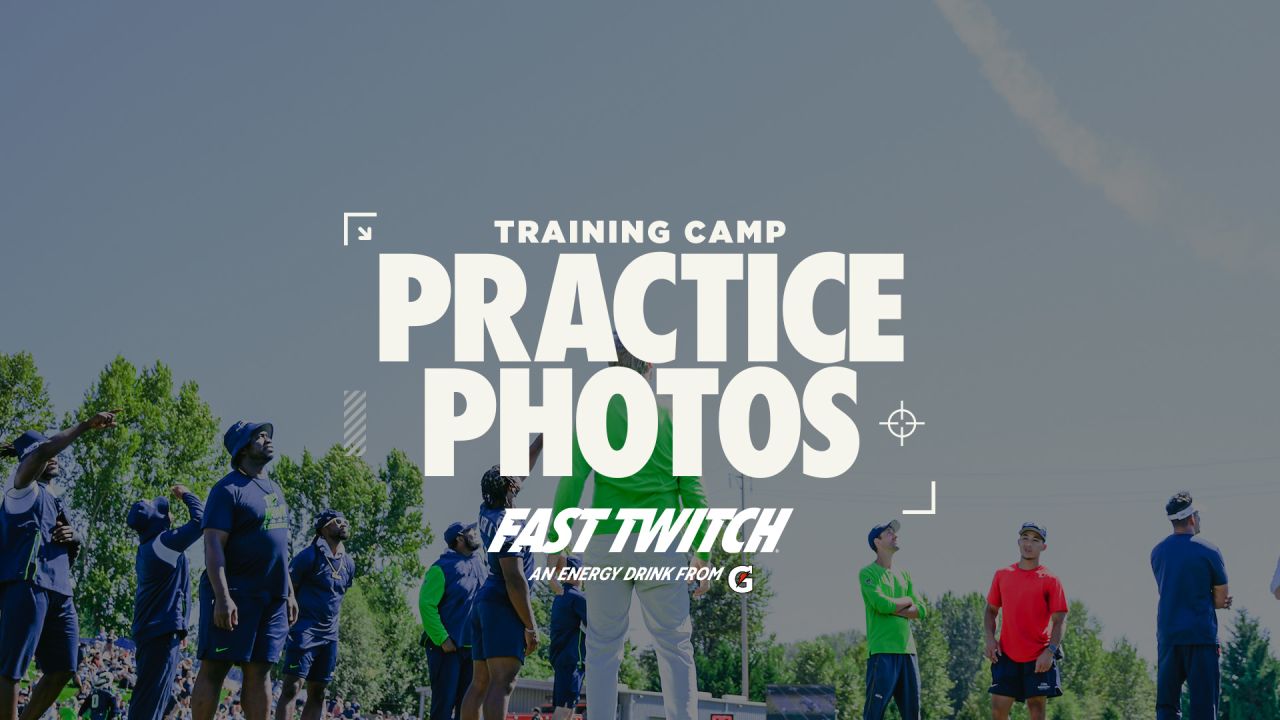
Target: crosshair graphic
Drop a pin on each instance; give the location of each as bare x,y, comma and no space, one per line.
902,423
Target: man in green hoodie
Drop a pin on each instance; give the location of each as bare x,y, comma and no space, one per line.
665,602
891,602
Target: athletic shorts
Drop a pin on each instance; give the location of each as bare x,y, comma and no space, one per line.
497,631
567,686
1019,680
259,636
313,664
40,624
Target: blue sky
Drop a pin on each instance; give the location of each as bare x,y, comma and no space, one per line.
1084,195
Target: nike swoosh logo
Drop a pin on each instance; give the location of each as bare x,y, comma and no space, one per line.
295,665
221,649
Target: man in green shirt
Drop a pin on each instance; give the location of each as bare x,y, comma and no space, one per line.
665,602
445,601
891,602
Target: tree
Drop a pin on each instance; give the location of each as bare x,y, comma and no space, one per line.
1250,673
960,617
933,655
360,673
1128,691
1083,667
161,438
24,401
717,625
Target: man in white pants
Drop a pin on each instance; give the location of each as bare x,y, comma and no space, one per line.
665,603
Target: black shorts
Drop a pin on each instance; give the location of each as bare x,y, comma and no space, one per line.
1019,680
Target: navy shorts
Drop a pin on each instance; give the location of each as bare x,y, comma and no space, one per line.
567,687
1019,680
497,631
258,637
40,624
313,664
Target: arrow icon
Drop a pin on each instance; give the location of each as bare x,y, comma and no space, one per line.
364,232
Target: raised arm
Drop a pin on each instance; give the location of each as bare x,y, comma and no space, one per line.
568,494
535,449
181,538
33,465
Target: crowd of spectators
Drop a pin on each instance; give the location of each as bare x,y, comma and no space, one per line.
112,658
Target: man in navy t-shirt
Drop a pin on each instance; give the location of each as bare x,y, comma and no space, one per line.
503,627
321,574
1192,579
36,552
161,606
246,598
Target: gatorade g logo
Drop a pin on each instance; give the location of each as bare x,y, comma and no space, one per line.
740,579
275,517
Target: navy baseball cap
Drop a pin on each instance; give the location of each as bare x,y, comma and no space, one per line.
1036,528
875,531
455,529
239,436
325,517
27,443
149,517
573,561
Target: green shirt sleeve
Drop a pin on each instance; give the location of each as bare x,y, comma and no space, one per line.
429,604
916,597
873,593
569,491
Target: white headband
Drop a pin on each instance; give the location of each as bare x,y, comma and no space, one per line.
1186,512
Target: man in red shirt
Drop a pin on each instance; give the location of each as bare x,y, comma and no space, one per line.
1023,666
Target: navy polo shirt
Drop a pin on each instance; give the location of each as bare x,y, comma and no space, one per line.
320,580
253,512
495,585
1187,569
568,617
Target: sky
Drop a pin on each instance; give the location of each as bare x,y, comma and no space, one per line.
1083,195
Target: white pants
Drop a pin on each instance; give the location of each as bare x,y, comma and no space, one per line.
665,605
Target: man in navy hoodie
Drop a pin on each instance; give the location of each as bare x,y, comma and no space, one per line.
445,601
39,546
162,603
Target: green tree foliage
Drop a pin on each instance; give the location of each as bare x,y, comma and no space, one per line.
163,437
934,656
24,401
639,668
1127,688
717,625
1250,673
961,619
361,672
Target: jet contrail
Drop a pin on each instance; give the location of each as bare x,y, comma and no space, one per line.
1141,193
